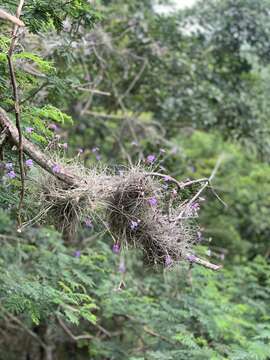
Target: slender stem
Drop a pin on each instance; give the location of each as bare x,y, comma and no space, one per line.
203,262
204,186
17,107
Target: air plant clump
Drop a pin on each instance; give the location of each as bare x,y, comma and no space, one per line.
132,205
139,216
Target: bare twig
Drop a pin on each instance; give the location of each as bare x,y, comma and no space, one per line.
6,16
73,337
134,81
204,186
202,262
180,185
94,91
17,106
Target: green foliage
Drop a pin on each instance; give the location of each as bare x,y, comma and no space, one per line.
43,65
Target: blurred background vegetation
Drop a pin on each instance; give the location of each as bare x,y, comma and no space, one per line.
110,82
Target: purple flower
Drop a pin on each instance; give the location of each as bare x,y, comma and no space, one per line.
98,157
167,178
11,174
88,223
77,253
53,127
153,201
150,159
29,162
122,267
9,166
134,224
116,248
168,260
80,151
65,145
29,130
195,206
191,257
95,150
56,169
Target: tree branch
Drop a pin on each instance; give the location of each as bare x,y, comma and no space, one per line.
34,153
17,106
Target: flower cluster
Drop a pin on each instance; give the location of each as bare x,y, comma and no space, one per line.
152,201
29,163
10,173
56,168
150,159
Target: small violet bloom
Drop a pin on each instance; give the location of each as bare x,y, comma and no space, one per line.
9,166
11,174
167,178
191,258
80,151
150,159
98,157
95,150
56,169
29,130
168,260
88,223
53,127
29,162
65,145
153,201
77,253
116,248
